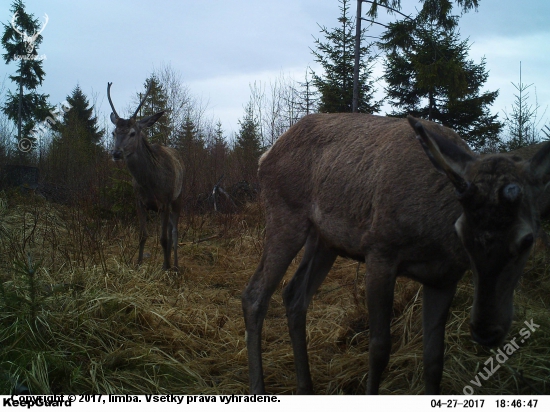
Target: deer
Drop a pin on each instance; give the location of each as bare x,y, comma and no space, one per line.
360,186
157,177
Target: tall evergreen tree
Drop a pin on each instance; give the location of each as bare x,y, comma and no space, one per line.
429,75
337,57
79,116
74,151
190,143
521,124
155,102
25,109
248,144
218,152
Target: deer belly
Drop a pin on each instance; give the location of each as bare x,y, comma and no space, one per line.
341,233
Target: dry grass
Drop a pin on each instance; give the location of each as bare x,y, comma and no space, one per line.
89,321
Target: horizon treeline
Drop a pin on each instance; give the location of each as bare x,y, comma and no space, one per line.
427,73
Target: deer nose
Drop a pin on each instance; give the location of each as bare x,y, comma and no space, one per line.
117,154
489,336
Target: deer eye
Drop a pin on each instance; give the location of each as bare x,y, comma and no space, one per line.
132,133
526,242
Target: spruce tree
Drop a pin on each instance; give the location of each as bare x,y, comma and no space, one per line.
336,55
521,124
79,116
155,102
25,109
218,151
247,144
190,143
429,75
75,150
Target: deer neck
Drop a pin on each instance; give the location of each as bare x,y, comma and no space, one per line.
142,163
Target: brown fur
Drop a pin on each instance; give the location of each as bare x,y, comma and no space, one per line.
157,173
526,153
361,186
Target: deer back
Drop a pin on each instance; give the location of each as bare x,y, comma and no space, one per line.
365,183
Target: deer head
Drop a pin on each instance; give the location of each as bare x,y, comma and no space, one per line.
498,225
29,40
128,131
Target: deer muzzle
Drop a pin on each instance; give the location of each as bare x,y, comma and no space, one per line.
490,336
117,154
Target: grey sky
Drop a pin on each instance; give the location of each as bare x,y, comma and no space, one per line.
220,47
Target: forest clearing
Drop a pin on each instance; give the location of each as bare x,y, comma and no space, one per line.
321,161
78,316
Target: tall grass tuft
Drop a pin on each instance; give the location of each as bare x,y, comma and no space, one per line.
78,316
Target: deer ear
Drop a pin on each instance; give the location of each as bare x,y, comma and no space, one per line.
114,118
539,164
446,156
150,120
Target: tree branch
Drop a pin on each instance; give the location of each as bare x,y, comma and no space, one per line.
388,8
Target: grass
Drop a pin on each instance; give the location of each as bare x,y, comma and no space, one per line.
79,317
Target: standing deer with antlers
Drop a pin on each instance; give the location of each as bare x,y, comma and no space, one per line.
360,186
157,173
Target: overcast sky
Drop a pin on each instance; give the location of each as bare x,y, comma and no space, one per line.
221,47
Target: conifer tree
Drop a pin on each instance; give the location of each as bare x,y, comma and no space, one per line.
521,124
75,149
247,144
25,109
155,102
79,117
429,75
337,57
190,143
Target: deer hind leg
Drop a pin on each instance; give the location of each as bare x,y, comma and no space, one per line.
143,234
380,285
174,220
435,309
281,246
165,237
316,263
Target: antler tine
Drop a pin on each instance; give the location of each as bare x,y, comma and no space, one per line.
110,101
144,97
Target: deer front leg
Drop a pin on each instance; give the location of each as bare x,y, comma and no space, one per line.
380,285
165,237
143,235
174,219
435,309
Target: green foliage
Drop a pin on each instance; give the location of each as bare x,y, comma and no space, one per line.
218,151
74,157
189,141
119,197
248,145
25,109
23,301
521,124
429,75
438,11
79,119
337,57
155,102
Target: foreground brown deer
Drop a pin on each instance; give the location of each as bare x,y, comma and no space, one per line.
360,186
157,173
